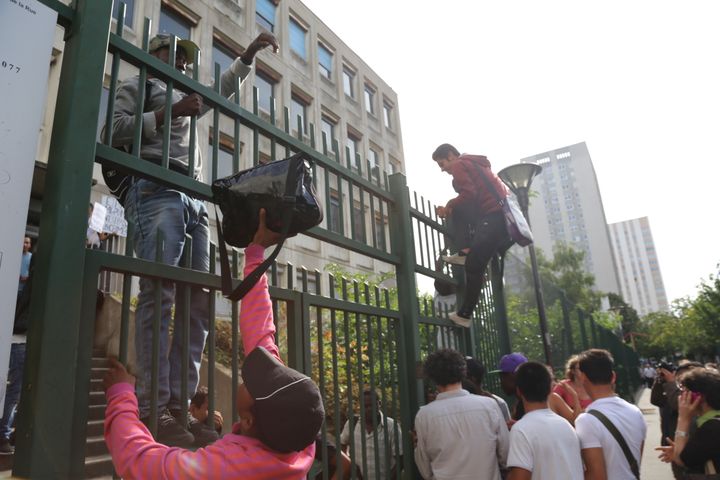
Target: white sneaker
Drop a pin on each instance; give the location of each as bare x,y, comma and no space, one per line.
458,320
454,259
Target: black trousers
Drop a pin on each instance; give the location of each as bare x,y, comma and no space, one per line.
485,236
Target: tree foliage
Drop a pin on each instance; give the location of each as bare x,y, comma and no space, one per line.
691,328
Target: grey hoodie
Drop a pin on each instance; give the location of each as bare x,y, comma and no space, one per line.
152,134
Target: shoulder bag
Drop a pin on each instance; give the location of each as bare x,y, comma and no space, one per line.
620,440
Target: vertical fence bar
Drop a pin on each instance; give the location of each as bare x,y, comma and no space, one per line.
401,238
49,447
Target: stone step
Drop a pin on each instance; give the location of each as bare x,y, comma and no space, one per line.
99,467
95,428
96,412
96,398
95,446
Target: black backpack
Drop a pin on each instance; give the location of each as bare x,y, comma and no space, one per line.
118,181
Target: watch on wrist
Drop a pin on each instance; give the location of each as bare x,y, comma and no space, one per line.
681,433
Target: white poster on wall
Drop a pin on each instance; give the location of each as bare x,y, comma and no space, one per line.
27,30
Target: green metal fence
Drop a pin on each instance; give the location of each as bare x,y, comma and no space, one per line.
348,336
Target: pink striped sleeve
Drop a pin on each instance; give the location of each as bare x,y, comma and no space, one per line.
137,456
256,316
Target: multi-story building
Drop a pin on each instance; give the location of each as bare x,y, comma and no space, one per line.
637,264
566,207
327,90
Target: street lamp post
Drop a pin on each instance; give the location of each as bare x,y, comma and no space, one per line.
518,178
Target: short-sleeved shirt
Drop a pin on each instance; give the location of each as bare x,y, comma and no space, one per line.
629,421
703,445
387,447
531,448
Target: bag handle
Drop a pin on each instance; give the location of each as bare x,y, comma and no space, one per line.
247,283
489,185
620,440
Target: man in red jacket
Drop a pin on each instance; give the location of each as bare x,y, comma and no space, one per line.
476,220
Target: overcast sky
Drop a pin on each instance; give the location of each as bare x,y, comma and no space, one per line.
638,81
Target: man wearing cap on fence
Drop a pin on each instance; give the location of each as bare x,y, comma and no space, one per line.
154,211
280,409
506,368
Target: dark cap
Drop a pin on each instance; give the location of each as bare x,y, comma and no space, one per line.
510,362
288,407
163,40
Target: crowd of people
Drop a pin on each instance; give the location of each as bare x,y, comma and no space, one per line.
574,428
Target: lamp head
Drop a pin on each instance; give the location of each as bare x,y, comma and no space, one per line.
519,177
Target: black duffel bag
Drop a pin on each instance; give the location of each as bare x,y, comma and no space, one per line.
285,190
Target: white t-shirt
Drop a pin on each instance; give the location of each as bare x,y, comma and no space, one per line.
629,421
545,444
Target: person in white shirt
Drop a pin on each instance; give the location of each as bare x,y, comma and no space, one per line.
532,456
382,441
459,436
601,452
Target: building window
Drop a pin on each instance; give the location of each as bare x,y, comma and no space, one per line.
224,162
370,99
325,60
129,11
222,55
374,159
351,150
358,223
334,224
298,108
327,128
266,91
387,115
379,232
172,22
349,82
297,39
265,14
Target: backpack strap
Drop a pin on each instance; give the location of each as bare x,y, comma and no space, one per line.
620,440
249,282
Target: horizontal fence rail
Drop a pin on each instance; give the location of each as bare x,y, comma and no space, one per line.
354,338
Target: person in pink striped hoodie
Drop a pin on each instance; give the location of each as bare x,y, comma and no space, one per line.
280,409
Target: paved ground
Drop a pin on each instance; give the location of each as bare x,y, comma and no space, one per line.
651,467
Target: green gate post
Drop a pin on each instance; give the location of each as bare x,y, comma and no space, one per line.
402,243
53,409
568,326
583,331
498,288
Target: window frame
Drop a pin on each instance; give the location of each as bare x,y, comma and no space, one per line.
259,16
350,76
176,16
369,95
325,71
129,11
300,27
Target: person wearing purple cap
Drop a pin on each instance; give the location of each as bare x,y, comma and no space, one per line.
280,409
506,368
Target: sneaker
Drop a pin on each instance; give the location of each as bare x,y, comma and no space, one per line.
457,319
170,432
204,435
458,259
6,448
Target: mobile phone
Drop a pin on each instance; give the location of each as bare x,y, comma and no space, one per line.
694,396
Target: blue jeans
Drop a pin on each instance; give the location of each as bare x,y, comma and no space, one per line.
12,394
153,208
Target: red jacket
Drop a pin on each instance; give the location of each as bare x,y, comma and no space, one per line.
468,182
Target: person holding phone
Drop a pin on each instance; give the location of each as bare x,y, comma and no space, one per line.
699,400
